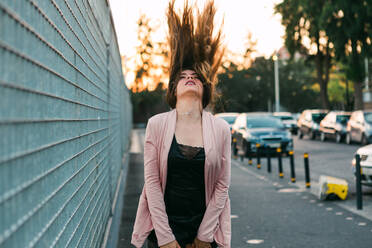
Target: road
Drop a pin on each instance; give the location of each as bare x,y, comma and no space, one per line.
271,212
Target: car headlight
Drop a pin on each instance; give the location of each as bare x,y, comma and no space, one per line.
315,126
252,137
368,128
287,136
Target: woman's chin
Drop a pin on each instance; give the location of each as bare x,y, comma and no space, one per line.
190,93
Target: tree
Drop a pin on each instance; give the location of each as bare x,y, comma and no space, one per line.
304,34
252,89
151,57
349,27
148,92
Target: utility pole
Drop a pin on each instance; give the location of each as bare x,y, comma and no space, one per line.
276,71
366,81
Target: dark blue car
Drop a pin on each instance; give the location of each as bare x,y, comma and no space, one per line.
250,130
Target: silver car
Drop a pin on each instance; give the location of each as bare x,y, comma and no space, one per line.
229,117
365,154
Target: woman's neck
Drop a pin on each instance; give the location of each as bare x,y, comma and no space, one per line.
189,109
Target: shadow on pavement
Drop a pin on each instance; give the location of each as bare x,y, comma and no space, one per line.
133,189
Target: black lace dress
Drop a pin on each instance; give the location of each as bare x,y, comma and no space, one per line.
184,193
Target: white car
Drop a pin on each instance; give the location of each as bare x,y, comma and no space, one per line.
365,154
228,117
288,120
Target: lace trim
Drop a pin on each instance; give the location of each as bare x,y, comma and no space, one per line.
189,151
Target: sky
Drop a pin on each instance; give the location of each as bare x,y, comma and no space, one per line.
240,17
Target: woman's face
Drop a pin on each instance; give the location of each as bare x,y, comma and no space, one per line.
189,84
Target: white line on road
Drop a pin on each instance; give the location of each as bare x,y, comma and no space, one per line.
255,241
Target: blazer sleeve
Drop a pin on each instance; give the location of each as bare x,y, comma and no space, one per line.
219,198
154,192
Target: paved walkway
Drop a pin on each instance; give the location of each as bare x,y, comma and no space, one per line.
131,196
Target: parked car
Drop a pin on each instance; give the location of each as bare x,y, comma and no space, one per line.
269,132
229,117
308,122
288,121
296,116
365,154
359,127
334,126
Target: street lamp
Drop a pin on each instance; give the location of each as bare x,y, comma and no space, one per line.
276,71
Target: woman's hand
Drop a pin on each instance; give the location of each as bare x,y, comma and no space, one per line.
201,244
173,244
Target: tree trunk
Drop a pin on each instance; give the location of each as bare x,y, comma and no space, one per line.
324,93
357,73
358,96
320,61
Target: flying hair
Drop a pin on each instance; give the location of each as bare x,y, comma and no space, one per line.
193,45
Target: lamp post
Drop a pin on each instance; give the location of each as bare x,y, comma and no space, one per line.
366,72
276,71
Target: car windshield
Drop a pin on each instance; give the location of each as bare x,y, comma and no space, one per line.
317,117
229,119
263,122
368,117
342,118
285,118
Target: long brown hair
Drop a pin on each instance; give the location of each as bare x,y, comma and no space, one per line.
193,46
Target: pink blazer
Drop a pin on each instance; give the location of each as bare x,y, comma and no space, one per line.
151,214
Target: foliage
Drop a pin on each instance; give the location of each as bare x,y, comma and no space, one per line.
252,89
304,34
148,103
148,92
330,31
349,26
151,58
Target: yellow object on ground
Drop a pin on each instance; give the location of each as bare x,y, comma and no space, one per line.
332,186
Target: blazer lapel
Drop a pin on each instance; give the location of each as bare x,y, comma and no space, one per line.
207,134
169,131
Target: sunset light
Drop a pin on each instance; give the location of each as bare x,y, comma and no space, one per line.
240,18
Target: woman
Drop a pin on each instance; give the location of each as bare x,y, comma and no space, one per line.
187,152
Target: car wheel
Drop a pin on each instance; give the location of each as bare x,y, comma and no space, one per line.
338,137
348,139
245,149
300,134
322,136
312,135
364,140
235,150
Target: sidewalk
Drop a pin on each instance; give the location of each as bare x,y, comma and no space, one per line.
132,193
